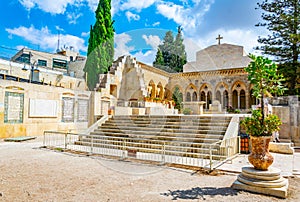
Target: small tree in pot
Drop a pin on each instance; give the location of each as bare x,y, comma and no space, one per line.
263,75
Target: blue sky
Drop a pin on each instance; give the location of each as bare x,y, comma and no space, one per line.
139,24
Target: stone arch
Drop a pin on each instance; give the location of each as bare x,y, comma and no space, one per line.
225,99
206,87
194,97
239,98
222,93
191,91
202,96
242,99
160,91
151,89
235,99
238,85
167,93
188,97
218,96
179,88
206,94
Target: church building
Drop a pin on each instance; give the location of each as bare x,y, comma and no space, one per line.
215,81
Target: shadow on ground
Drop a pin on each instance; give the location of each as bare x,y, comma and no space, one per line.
200,193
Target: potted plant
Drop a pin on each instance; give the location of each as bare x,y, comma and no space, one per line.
111,110
263,75
148,99
157,100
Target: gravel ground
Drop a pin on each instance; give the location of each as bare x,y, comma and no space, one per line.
29,173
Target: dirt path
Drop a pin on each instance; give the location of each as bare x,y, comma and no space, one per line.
28,173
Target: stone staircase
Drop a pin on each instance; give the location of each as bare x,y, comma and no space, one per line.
189,136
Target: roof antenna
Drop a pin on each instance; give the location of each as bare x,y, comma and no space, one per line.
58,36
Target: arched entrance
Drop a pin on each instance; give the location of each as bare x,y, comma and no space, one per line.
206,95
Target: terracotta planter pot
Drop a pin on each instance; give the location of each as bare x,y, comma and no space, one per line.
260,157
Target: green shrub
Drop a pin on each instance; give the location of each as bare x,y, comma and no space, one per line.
187,111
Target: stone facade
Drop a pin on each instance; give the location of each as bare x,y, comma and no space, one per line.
29,109
218,75
15,71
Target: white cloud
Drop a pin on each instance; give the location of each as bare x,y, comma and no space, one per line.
131,16
72,17
85,34
94,3
156,24
121,48
45,39
58,28
20,47
57,7
136,4
147,57
152,40
28,4
115,6
188,16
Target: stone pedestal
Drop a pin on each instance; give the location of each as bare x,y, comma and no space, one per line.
215,107
268,182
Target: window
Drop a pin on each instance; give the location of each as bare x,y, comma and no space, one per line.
60,64
24,58
42,63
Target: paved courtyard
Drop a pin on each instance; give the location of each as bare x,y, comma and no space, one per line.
29,173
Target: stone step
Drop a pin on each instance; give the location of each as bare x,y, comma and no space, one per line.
156,134
175,117
169,120
160,131
160,126
190,136
170,126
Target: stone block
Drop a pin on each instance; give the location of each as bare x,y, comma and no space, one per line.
268,182
283,148
278,192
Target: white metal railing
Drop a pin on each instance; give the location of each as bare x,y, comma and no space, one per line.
186,153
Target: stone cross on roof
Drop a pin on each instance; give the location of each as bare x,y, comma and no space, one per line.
219,39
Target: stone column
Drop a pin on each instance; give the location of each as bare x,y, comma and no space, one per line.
230,98
239,100
247,99
206,103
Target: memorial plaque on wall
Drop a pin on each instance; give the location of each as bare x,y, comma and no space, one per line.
68,109
42,108
13,107
83,110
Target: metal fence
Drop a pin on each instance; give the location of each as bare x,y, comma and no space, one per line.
208,156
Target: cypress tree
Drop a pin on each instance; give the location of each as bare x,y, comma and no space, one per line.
101,44
282,19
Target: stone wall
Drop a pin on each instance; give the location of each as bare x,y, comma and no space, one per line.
288,110
28,109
